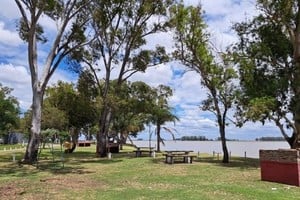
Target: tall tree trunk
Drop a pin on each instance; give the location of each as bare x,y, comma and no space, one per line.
74,139
296,81
224,146
296,98
290,140
123,138
32,149
102,136
158,136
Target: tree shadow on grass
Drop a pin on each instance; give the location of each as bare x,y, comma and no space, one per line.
54,163
235,162
15,170
8,157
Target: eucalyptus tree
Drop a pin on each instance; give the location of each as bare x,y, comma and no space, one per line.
70,22
268,54
9,111
216,74
122,29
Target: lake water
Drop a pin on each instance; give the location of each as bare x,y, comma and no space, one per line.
237,148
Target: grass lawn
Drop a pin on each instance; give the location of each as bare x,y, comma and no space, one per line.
83,176
10,146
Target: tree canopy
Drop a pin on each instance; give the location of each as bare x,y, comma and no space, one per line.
121,29
268,58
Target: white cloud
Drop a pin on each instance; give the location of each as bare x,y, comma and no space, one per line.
222,14
18,78
9,37
155,76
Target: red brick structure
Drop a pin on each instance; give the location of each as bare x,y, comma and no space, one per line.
281,166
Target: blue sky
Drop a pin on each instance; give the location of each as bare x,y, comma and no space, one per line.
188,93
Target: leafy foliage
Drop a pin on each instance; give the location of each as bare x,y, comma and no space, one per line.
64,14
9,110
216,73
121,29
268,58
67,110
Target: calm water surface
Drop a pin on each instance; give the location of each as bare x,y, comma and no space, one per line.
237,148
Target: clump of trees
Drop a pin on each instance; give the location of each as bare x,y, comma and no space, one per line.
9,111
260,73
116,32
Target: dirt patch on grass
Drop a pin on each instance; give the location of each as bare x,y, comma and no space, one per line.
54,187
10,191
74,183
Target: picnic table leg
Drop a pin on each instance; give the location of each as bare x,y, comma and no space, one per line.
185,159
189,159
138,154
169,159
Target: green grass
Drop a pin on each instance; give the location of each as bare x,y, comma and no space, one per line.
84,176
10,146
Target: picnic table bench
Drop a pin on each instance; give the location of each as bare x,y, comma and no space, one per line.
185,155
140,150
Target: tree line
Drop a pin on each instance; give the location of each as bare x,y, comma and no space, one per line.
270,139
257,77
194,138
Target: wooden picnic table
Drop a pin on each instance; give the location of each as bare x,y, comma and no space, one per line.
179,151
140,150
185,155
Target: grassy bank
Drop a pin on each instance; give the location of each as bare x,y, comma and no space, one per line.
83,176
